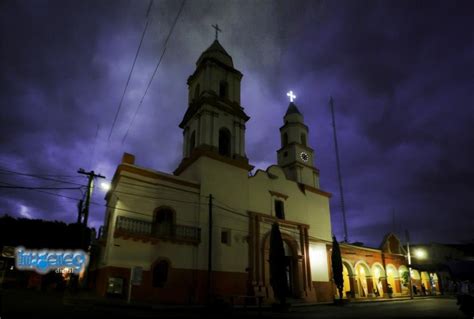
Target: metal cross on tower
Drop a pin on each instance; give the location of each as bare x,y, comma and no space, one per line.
291,96
216,26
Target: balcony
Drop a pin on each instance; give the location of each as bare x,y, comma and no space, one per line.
145,231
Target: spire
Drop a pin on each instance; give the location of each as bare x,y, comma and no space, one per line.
216,52
292,109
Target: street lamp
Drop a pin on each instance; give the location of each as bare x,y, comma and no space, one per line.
105,186
420,253
409,264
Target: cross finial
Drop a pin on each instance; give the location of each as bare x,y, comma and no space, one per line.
216,26
291,96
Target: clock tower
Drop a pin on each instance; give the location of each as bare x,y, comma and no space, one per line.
295,156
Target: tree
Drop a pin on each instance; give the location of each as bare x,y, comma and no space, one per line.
278,265
405,278
337,267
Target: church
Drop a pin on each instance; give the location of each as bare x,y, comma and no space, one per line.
203,230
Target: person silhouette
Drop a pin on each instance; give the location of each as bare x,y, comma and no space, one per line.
423,289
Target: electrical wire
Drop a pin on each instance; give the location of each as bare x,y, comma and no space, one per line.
13,186
38,176
154,72
131,70
161,185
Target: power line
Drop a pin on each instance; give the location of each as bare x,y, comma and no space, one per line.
156,69
5,166
155,187
131,70
153,197
13,186
42,190
39,177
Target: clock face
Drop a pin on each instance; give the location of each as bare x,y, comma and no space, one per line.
304,156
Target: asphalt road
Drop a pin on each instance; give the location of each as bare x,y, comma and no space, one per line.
37,305
418,308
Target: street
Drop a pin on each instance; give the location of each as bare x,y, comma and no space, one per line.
29,304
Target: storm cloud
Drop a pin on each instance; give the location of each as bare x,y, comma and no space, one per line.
401,74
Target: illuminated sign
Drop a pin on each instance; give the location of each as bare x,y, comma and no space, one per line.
44,260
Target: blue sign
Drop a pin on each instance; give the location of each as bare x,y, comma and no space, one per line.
44,260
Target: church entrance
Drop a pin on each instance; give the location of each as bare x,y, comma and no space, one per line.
291,276
293,267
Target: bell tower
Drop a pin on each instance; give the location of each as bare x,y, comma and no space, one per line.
295,156
214,122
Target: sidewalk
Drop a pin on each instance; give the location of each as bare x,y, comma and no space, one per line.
87,300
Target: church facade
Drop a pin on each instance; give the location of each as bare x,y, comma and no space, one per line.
204,229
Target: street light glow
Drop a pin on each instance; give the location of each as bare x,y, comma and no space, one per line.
105,186
420,253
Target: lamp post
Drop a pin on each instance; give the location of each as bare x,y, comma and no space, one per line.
409,264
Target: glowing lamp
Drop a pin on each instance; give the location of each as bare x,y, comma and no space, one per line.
420,254
105,186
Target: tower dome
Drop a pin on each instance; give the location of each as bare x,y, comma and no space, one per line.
216,52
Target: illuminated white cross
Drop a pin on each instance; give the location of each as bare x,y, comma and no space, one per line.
291,96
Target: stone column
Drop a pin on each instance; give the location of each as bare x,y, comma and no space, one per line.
398,288
370,287
354,286
384,293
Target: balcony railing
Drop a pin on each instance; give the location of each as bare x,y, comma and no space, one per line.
126,226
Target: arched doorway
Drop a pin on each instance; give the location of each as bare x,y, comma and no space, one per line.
348,276
393,279
293,264
425,282
416,281
378,279
290,268
434,283
363,277
404,279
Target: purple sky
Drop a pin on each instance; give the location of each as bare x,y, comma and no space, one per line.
401,73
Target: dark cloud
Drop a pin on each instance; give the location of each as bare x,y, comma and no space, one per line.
401,73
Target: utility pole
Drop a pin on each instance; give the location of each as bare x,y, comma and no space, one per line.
409,263
84,214
90,185
341,192
209,256
80,210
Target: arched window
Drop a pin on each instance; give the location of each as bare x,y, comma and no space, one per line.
192,142
303,139
160,273
284,139
224,142
223,89
163,222
197,91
